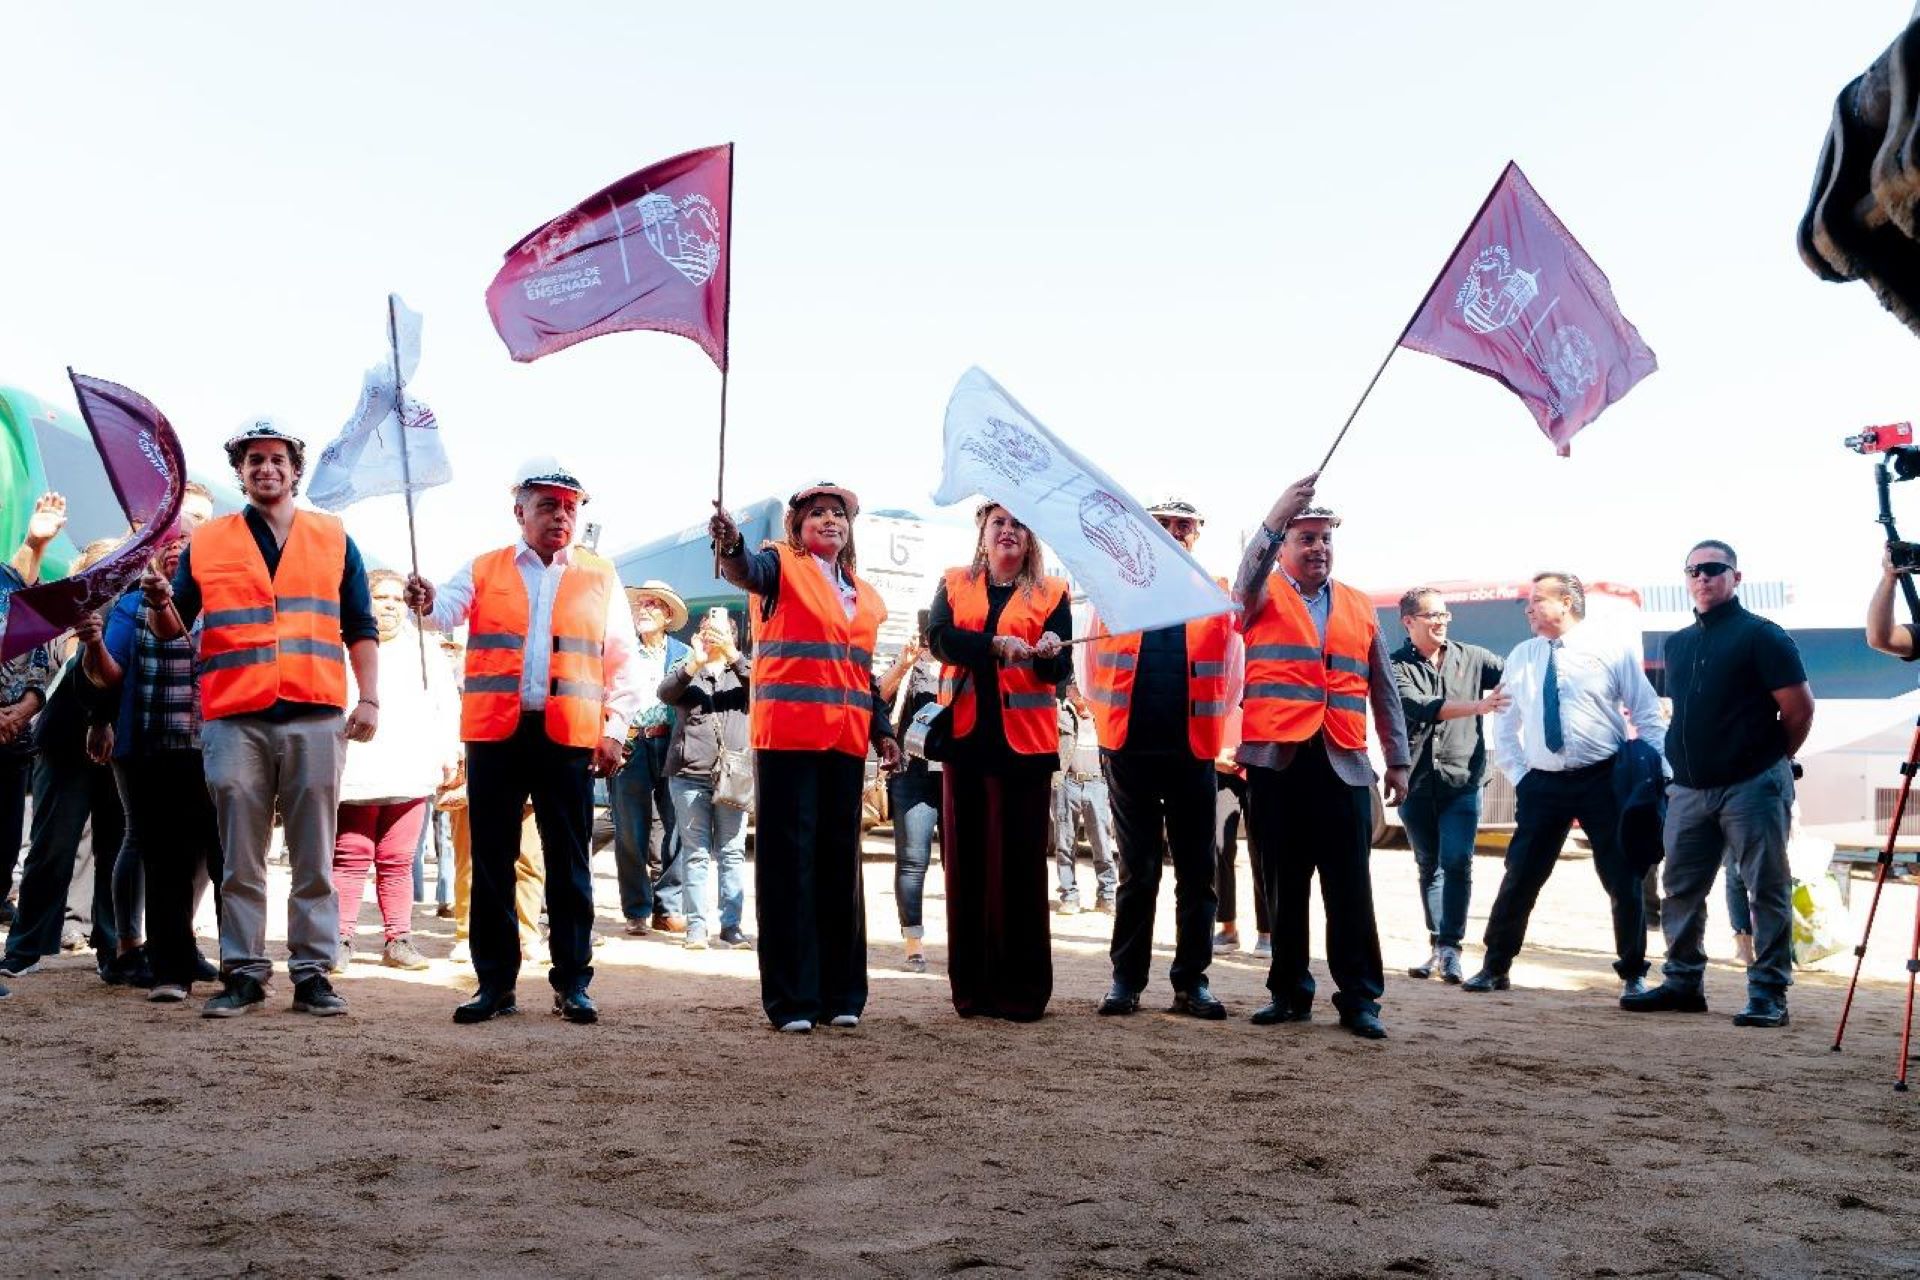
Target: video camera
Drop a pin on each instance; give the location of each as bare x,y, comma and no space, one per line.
1901,462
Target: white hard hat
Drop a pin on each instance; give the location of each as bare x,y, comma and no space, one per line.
264,427
550,471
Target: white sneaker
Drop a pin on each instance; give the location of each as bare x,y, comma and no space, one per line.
798,1027
167,993
846,1020
462,952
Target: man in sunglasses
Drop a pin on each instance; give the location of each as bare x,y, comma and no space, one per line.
1446,688
1741,708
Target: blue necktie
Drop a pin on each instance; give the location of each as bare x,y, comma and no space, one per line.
1550,730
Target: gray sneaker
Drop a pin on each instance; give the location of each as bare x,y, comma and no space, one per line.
696,938
402,954
240,994
1069,907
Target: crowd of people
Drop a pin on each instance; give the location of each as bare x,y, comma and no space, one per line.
259,676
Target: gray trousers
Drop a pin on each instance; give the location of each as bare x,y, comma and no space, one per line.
1747,824
1086,800
254,766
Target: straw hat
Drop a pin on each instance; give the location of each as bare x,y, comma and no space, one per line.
655,589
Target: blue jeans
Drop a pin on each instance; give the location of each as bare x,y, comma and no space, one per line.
643,835
701,826
1441,825
914,801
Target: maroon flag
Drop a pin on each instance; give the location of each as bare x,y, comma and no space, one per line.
1523,303
649,252
148,472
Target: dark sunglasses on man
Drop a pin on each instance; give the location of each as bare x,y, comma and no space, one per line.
1708,569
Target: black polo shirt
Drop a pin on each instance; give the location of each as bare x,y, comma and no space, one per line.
1721,674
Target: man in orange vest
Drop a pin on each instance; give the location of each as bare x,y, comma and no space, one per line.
549,689
1160,700
1315,659
281,597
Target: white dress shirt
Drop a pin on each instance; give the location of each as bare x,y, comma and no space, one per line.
453,601
1598,674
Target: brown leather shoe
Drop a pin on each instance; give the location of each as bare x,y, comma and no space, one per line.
670,924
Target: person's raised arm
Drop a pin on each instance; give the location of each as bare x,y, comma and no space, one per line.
1882,632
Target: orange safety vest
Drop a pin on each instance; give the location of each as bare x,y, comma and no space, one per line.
576,710
266,640
1116,658
1029,713
1295,687
812,664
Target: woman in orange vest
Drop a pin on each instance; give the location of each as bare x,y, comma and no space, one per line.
1000,626
815,710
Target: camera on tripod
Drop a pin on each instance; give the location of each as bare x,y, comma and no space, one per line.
1896,441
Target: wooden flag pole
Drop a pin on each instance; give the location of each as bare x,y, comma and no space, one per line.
1424,299
406,468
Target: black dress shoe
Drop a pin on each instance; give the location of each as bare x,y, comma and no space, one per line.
1487,980
1425,968
1761,1011
1365,1025
1119,1001
484,1005
1198,1002
1666,998
1274,1013
576,1006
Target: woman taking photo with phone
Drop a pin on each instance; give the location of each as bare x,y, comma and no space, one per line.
1000,626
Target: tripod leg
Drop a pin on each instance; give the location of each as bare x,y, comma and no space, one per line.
1913,972
1907,770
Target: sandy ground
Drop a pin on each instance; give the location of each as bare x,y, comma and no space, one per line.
1540,1132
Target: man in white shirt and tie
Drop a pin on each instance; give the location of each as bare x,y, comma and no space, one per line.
1556,742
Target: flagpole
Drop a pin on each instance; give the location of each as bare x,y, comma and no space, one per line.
726,357
406,468
1445,262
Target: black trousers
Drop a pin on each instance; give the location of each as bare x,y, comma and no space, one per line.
999,935
501,778
1161,801
1306,820
1229,819
171,821
1546,806
66,794
811,902
16,767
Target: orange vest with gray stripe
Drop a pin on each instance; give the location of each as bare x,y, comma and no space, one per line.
497,626
1029,714
812,664
1297,687
267,639
1115,659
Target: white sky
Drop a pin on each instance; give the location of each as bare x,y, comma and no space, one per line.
1181,235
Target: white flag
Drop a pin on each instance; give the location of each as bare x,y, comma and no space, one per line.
364,460
1137,576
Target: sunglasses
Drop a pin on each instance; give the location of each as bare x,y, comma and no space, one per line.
1709,569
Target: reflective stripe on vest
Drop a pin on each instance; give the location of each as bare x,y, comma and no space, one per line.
1294,687
574,714
1115,666
270,639
812,664
1029,713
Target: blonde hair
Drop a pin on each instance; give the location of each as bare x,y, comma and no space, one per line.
1033,570
94,552
847,560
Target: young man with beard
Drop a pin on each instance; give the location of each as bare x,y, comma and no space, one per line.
283,591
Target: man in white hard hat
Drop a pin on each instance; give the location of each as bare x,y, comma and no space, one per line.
548,693
281,596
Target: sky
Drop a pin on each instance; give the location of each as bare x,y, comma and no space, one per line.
1183,236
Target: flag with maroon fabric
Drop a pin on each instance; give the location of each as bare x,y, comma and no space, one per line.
649,252
1523,303
145,465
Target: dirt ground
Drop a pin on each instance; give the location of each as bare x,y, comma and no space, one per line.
1540,1132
